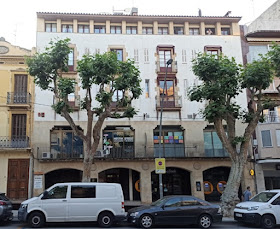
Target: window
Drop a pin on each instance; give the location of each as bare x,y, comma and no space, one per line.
99,29
225,31
118,95
163,30
83,191
179,30
209,31
131,29
67,28
118,141
213,146
65,144
174,202
19,139
136,56
167,93
172,140
186,87
71,60
20,90
194,31
188,201
147,30
278,137
83,28
50,27
147,88
119,53
58,192
184,56
164,56
213,50
266,138
116,29
146,55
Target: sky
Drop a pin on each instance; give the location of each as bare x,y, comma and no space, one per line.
18,18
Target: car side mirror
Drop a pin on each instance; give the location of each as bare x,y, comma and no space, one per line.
45,195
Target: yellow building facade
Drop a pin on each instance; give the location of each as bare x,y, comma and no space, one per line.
16,121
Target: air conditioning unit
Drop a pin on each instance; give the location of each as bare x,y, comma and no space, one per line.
46,155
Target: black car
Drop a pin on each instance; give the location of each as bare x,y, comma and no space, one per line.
176,210
6,208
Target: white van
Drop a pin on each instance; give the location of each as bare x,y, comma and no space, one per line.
75,202
263,209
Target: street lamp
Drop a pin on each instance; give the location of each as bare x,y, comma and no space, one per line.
169,62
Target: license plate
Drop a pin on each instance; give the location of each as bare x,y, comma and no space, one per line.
238,215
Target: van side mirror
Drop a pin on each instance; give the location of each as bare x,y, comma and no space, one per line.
45,195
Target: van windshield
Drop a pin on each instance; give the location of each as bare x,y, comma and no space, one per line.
263,197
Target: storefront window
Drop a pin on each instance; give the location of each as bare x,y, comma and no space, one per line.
172,143
118,142
213,146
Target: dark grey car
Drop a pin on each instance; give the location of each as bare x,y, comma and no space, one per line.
176,210
6,208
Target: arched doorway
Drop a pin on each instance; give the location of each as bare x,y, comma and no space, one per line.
62,175
214,181
128,178
175,182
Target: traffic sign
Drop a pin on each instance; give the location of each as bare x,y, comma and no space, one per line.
160,165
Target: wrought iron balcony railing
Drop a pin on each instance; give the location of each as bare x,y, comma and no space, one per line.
172,68
18,98
169,102
14,142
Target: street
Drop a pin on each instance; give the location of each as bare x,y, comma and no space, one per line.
229,225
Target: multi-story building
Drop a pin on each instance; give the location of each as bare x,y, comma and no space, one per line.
259,37
196,162
16,120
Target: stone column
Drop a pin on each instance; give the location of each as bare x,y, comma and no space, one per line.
108,28
171,28
145,186
197,176
123,27
91,26
202,28
155,29
218,29
58,25
75,26
186,28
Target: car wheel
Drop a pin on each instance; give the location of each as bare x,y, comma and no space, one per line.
146,221
105,219
36,219
268,221
205,221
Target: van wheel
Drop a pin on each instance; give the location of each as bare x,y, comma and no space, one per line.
268,221
105,219
36,219
205,221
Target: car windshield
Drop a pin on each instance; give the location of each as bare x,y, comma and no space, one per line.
158,202
263,197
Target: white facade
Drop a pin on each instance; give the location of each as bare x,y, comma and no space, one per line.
144,49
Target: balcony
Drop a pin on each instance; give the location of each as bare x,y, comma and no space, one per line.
19,99
14,142
271,117
272,89
170,102
172,69
60,153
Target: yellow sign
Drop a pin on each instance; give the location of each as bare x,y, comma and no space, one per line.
160,165
252,172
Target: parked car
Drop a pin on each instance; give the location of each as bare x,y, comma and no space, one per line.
176,210
75,202
263,209
6,208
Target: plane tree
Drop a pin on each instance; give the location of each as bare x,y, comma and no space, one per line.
103,71
223,82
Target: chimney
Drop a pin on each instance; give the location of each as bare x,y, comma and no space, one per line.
199,13
134,11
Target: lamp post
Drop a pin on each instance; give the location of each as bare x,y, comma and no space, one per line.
169,62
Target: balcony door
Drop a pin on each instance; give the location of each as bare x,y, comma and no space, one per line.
167,93
20,89
164,56
19,139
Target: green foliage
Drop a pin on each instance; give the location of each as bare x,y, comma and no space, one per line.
46,66
257,75
237,140
103,70
220,83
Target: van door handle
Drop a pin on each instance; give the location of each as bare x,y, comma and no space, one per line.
64,200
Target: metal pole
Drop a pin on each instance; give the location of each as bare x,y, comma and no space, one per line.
169,62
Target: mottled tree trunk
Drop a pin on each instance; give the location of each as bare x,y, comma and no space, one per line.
230,195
